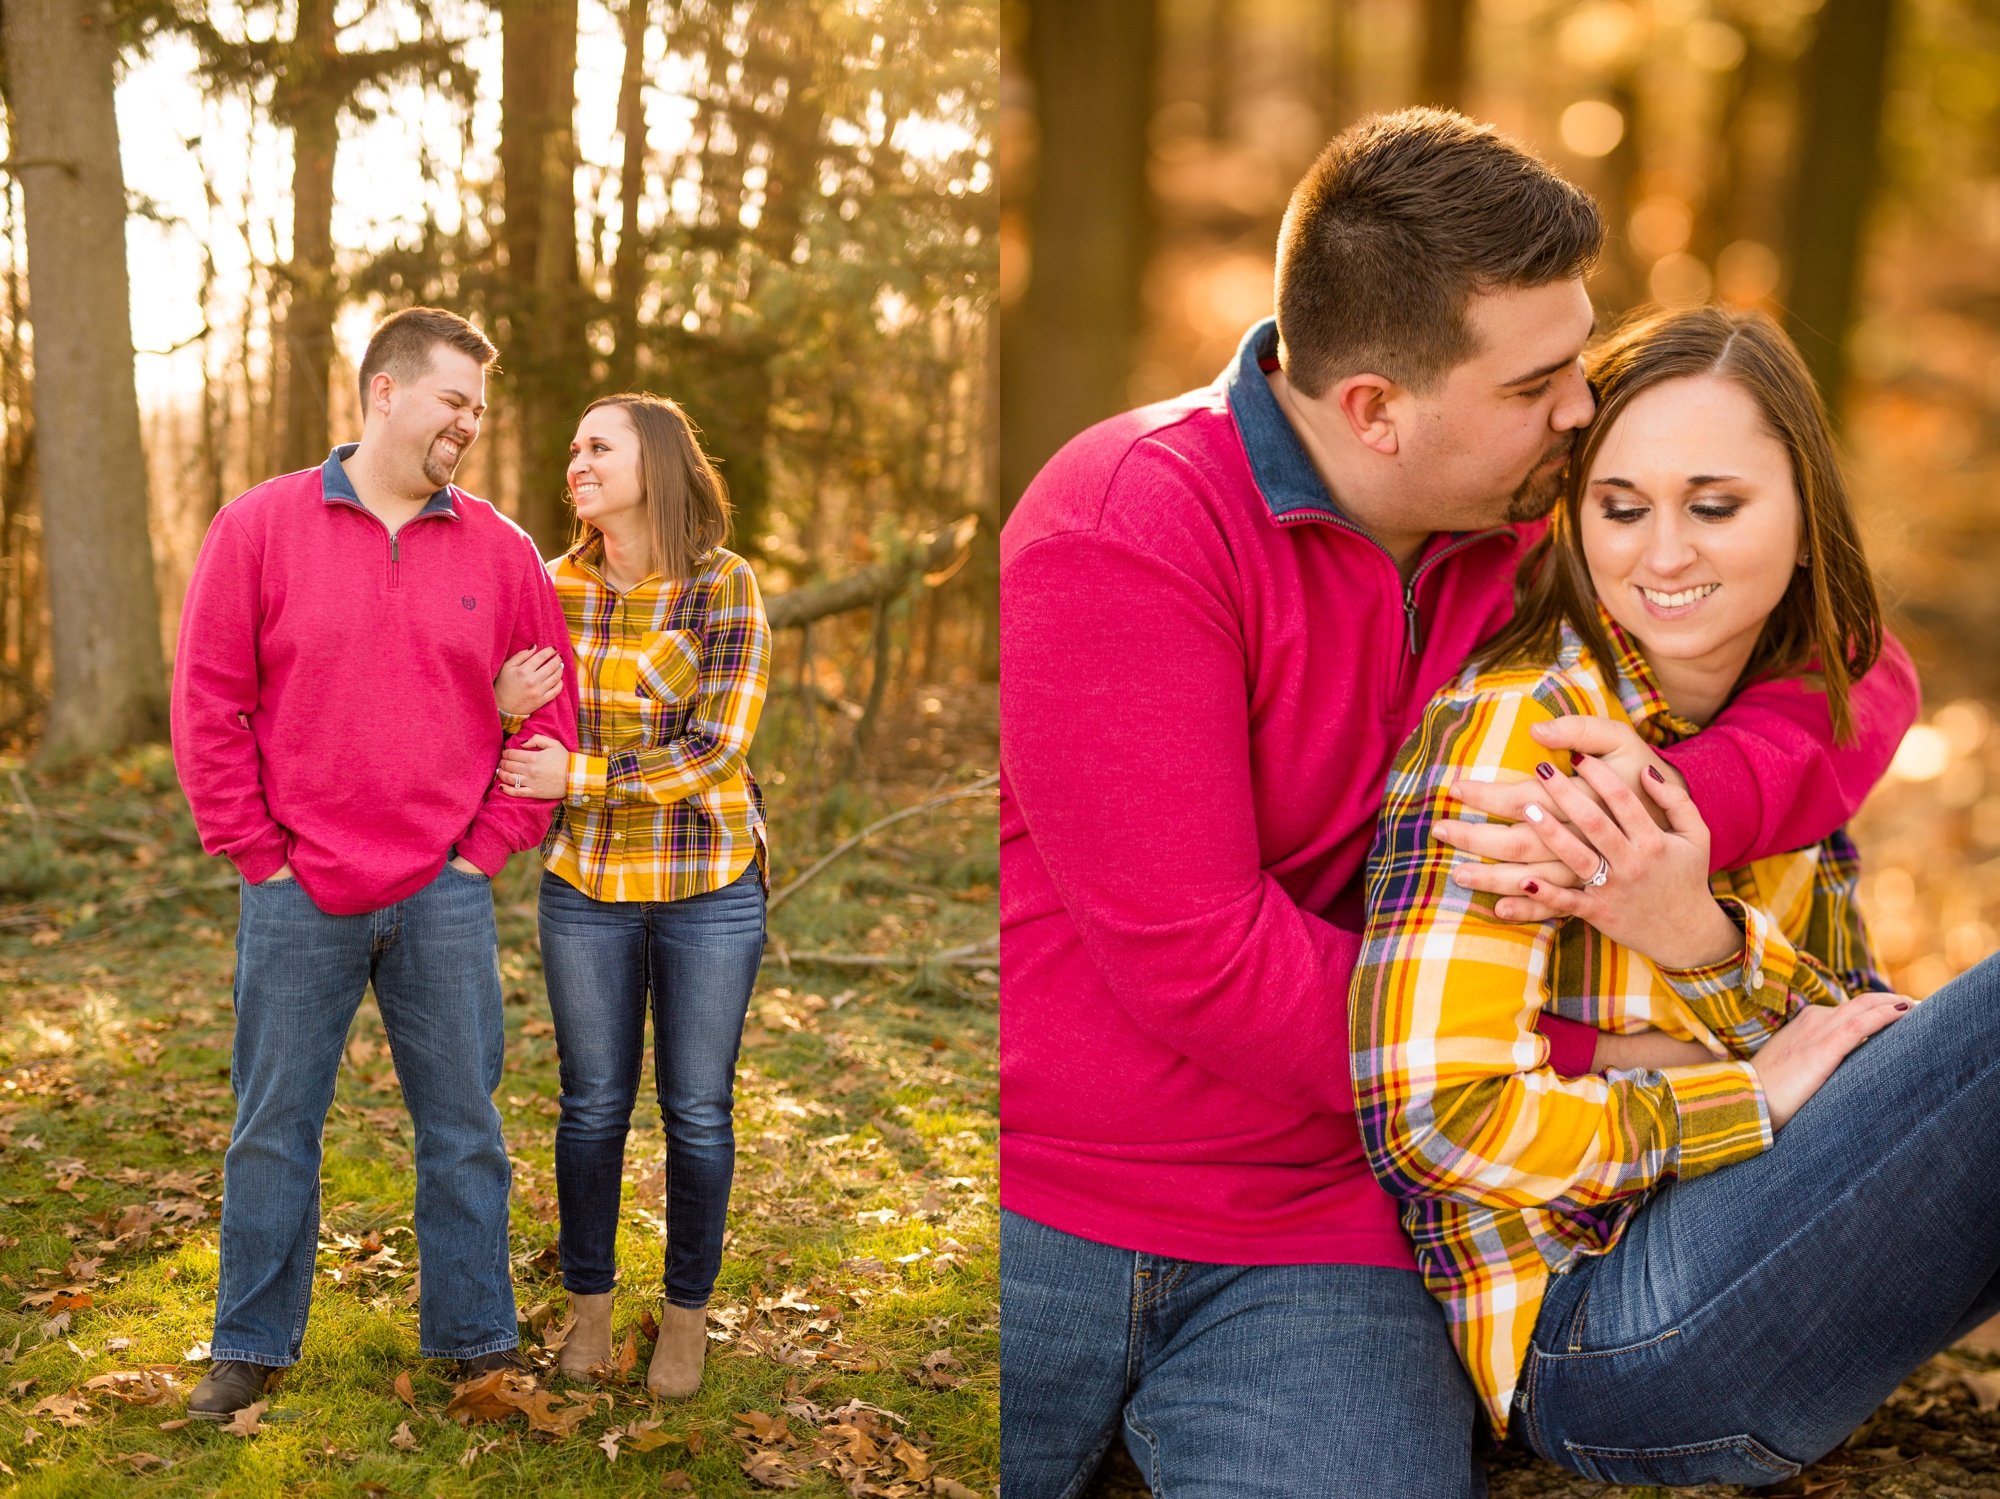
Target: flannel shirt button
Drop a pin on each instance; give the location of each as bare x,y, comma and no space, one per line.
1757,979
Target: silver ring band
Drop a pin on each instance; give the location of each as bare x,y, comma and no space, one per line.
1603,871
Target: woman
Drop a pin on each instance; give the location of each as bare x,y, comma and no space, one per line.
655,865
1713,1272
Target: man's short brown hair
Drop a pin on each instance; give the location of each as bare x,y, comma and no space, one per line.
401,345
1400,221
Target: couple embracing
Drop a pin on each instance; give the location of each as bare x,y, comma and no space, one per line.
380,693
1437,1010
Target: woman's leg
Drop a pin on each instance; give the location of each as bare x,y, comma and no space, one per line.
1750,1319
594,958
705,951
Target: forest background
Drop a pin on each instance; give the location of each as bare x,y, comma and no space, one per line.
1835,162
782,213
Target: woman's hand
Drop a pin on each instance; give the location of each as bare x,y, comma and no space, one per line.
1655,898
528,680
1515,846
1794,1063
538,769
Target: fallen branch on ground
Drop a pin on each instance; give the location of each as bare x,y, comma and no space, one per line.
972,955
933,557
861,837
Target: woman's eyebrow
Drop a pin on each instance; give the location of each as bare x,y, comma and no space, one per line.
1616,483
1696,481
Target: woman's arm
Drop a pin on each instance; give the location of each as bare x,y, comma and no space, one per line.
1455,1097
730,682
528,679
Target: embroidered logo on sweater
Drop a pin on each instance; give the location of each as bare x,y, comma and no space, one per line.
469,601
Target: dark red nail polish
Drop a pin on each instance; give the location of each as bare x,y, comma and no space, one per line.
1653,771
1902,1007
1546,771
1533,889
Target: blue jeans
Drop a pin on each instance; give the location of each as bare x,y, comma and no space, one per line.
1750,1319
300,975
1320,1381
697,960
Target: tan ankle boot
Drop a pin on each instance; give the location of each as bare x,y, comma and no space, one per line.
589,1341
675,1372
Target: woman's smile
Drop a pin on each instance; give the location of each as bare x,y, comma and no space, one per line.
1678,604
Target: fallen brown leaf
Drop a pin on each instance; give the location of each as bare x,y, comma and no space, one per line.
67,1411
674,1479
30,1436
405,1391
139,1462
1985,1387
493,1396
771,1470
628,1353
546,1416
177,1423
404,1440
245,1422
649,1327
914,1461
770,1430
951,1488
609,1442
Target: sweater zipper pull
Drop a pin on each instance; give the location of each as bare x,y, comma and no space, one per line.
1414,626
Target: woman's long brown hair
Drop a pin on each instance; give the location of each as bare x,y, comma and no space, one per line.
1830,618
687,504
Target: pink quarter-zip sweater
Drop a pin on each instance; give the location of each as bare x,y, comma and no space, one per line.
333,687
1205,672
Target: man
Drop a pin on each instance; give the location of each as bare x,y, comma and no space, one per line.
335,731
1221,616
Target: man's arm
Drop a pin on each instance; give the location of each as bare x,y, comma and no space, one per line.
1126,746
507,824
1767,775
214,694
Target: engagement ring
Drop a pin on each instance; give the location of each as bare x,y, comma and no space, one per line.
1603,871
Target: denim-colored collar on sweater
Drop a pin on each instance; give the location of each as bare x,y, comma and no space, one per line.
336,487
1278,461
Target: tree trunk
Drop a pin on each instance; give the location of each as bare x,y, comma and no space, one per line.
1841,86
1068,343
545,348
308,328
110,686
630,268
1441,75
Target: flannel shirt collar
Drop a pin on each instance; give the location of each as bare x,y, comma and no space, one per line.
335,488
588,554
1639,690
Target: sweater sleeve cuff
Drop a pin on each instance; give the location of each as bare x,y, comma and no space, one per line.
1723,1116
1572,1044
1725,792
483,846
587,775
258,864
1759,972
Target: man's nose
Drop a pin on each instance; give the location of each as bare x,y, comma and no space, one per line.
1576,405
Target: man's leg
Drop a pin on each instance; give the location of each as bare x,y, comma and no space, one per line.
300,975
1065,1345
1314,1381
437,980
1750,1319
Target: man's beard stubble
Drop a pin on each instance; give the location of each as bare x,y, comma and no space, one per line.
436,471
1539,492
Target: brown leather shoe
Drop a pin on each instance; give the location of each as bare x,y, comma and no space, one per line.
486,1363
228,1386
675,1372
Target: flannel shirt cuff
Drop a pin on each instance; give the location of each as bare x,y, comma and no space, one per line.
622,780
1723,1116
1767,958
586,779
510,724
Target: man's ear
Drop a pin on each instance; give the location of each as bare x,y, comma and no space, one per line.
381,385
1369,403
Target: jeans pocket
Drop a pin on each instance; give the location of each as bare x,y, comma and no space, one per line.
1738,1459
476,879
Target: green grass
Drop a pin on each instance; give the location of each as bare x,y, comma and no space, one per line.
866,1132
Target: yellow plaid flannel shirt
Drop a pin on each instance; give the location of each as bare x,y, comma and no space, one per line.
1507,1170
671,678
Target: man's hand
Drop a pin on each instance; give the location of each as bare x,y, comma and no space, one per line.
465,866
1516,847
1654,1051
538,769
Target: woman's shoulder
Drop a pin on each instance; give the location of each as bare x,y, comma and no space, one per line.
1479,721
